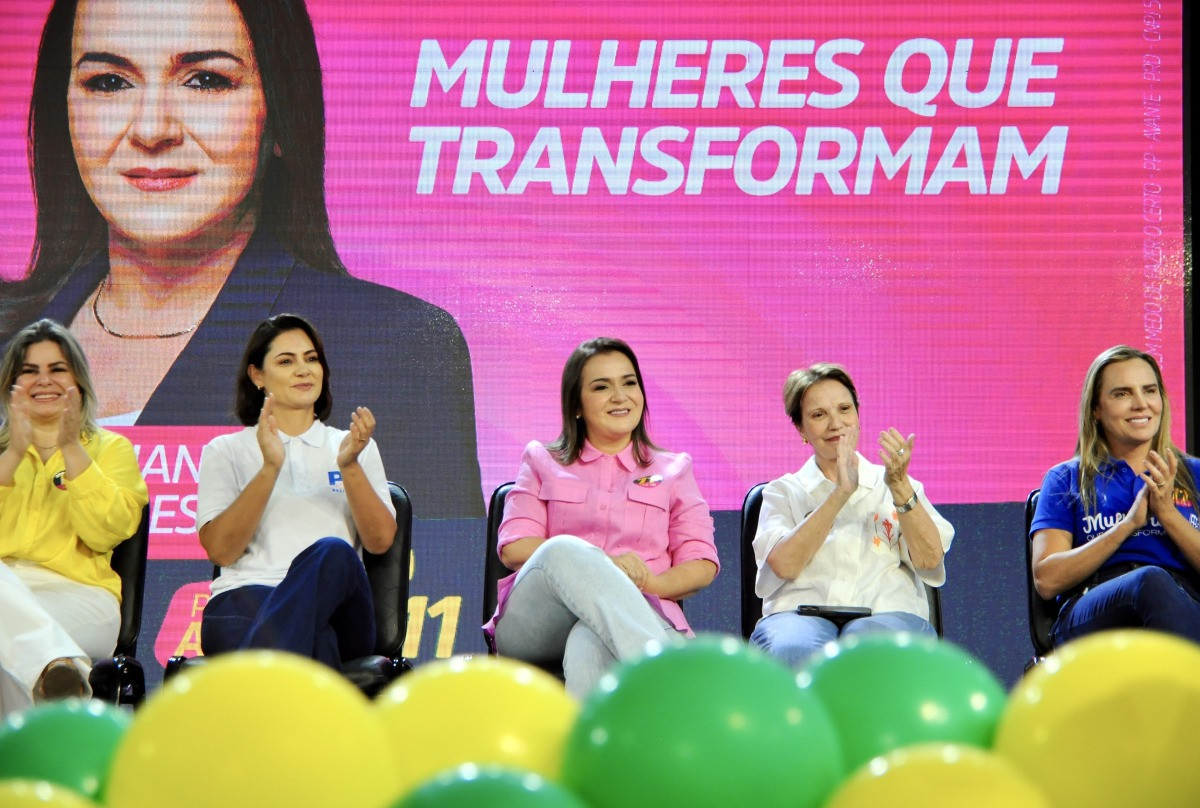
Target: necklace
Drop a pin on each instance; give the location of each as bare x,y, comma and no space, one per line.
100,321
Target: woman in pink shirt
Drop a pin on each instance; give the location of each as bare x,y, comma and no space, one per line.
605,531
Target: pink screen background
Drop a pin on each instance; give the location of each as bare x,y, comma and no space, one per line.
967,319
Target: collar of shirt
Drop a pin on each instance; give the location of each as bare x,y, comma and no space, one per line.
624,457
313,436
812,478
1111,462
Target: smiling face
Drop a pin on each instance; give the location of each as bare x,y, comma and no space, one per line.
1128,404
610,401
167,114
291,371
45,376
827,415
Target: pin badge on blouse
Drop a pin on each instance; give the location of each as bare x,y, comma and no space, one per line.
60,480
649,481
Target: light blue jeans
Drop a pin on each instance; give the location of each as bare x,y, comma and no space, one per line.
793,638
571,602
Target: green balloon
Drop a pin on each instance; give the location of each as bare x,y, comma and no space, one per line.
40,794
709,722
69,743
884,691
471,786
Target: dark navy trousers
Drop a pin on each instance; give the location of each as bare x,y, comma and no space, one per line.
1146,597
322,609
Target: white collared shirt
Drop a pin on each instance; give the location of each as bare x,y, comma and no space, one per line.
308,502
864,560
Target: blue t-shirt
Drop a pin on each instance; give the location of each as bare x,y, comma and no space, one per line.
1061,508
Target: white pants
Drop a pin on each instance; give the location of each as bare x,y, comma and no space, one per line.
44,616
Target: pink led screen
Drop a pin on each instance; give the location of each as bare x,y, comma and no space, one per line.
961,202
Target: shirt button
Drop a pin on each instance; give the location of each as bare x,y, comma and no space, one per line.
604,507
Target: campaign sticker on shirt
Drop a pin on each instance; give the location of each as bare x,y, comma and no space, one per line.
649,481
60,480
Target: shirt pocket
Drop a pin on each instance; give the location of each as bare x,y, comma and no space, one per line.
884,532
647,513
566,510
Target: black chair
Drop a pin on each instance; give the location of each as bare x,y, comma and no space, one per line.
1042,612
752,603
120,678
388,575
493,567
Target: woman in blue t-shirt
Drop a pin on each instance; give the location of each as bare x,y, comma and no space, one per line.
1115,536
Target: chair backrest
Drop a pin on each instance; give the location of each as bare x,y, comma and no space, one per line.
388,574
1042,612
129,562
493,568
752,603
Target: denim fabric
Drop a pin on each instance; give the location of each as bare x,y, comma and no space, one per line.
322,609
1147,597
793,638
571,602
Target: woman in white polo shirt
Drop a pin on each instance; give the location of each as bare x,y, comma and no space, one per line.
285,505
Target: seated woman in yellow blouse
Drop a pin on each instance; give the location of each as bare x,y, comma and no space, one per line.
69,493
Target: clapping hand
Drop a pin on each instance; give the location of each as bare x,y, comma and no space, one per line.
1159,475
896,453
269,442
362,424
847,461
70,426
20,426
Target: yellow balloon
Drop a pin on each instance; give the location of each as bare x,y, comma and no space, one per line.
938,775
475,710
1108,721
40,794
254,728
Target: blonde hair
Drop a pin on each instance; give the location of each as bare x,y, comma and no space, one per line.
14,357
1092,448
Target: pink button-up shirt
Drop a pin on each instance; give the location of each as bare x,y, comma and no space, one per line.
655,511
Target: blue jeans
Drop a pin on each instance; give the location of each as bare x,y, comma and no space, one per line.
792,638
1147,597
322,609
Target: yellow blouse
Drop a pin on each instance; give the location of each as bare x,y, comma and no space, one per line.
72,526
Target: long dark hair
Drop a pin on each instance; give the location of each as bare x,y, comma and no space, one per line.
70,230
569,444
248,399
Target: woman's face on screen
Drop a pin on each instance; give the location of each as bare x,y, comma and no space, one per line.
167,112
